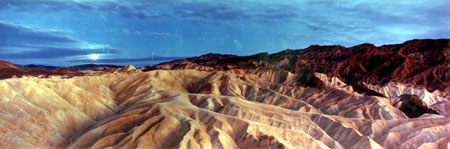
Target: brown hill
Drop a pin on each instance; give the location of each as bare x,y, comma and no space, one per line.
5,64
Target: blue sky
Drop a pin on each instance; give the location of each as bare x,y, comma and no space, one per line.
145,32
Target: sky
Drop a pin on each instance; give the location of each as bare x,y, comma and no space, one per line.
147,32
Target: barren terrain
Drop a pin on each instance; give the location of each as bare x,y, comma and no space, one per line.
284,100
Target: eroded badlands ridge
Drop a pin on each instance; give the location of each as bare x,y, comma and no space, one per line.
213,101
416,67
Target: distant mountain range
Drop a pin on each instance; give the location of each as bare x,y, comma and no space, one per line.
365,96
8,70
421,63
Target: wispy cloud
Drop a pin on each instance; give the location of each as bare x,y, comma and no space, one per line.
163,35
127,60
188,10
321,15
52,52
11,34
256,24
135,9
21,42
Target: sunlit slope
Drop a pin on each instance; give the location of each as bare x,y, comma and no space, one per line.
238,108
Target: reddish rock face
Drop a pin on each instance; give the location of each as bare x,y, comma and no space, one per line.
415,63
421,63
5,64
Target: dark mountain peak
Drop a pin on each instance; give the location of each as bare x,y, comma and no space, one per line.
210,57
286,52
425,44
259,56
365,45
324,47
426,41
95,67
40,67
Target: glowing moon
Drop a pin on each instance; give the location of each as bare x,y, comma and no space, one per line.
93,57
